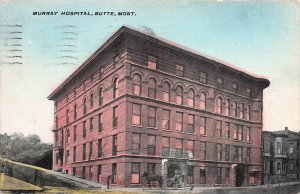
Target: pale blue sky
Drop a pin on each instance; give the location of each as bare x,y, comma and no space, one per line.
260,37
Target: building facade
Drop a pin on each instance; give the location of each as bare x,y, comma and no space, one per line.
141,103
281,154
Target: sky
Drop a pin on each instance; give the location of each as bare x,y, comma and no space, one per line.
262,37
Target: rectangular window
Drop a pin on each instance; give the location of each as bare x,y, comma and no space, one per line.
278,147
152,61
190,149
235,153
165,146
136,114
91,124
219,175
202,175
219,152
227,152
179,120
248,130
219,129
248,90
115,116
91,150
100,123
136,143
166,120
74,154
291,148
190,174
74,133
179,70
84,129
220,82
179,148
240,132
202,126
151,145
151,116
240,154
234,86
203,77
227,176
84,151
100,151
135,173
248,155
114,173
67,156
226,130
202,150
115,145
191,121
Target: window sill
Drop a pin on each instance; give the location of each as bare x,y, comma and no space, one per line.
203,135
140,126
168,130
191,133
152,128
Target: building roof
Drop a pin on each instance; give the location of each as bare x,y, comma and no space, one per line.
167,43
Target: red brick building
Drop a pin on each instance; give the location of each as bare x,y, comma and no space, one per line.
142,103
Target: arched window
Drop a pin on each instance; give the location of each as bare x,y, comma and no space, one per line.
136,85
92,99
248,111
202,101
75,111
84,106
179,95
191,98
115,88
234,109
100,97
227,107
219,105
242,111
166,92
152,88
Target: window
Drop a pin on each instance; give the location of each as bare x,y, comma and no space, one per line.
179,120
91,124
83,172
227,176
227,152
114,173
248,131
75,111
190,174
100,151
239,133
84,106
166,92
248,112
115,88
151,168
179,70
226,134
242,109
203,77
278,168
152,62
261,114
68,135
179,95
219,129
135,173
219,105
202,101
219,175
84,129
227,107
152,88
136,85
91,150
115,116
202,175
151,116
136,143
136,114
74,133
220,82
191,121
248,90
202,150
100,122
165,146
190,149
114,145
291,165
67,156
219,152
234,109
84,151
67,116
74,154
92,100
278,147
234,86
100,97
202,126
240,154
248,155
291,148
151,145
166,120
191,98
179,148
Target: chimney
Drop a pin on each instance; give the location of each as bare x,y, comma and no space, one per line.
286,128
